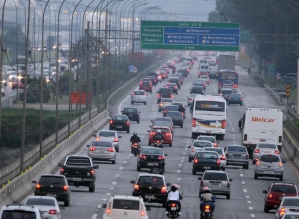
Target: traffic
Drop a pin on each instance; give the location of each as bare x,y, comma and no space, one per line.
177,148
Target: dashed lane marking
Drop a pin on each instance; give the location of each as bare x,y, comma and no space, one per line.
178,171
180,165
108,194
125,161
104,199
94,216
111,188
100,206
249,202
121,168
243,182
250,208
252,215
241,175
117,175
245,190
247,196
179,179
184,153
114,183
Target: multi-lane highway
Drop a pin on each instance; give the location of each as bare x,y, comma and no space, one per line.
246,193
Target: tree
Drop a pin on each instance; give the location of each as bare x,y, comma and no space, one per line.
214,16
33,91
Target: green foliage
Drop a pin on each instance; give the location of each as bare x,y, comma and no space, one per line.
12,34
214,16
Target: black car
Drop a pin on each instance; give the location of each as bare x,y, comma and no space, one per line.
197,90
151,187
205,160
201,83
225,92
163,93
175,80
180,76
53,184
183,71
155,74
150,155
133,113
119,123
173,87
177,118
213,74
235,99
170,108
154,80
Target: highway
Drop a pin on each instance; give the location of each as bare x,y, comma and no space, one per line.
247,199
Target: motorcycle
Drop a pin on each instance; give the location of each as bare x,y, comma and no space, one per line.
158,143
207,212
156,169
183,114
135,149
174,210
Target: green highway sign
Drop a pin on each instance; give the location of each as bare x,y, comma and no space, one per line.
176,35
245,32
245,36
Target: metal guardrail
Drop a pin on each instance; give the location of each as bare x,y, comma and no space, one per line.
274,93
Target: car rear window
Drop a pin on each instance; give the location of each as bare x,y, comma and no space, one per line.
207,139
162,123
163,90
196,89
162,130
40,201
218,150
166,100
172,108
269,158
106,134
48,180
150,180
273,146
291,202
226,91
18,215
102,144
173,113
215,176
236,149
201,144
283,188
145,83
78,161
138,92
291,216
131,110
152,151
207,155
235,95
162,119
174,80
126,204
171,85
119,117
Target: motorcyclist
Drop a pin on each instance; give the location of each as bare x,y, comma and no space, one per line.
207,198
249,70
158,135
181,108
135,139
174,196
167,94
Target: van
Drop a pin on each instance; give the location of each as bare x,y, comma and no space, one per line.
204,62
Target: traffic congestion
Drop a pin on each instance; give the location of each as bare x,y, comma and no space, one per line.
183,144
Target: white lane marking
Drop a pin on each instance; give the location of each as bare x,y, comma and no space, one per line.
243,182
122,102
108,194
100,206
241,175
130,155
111,188
245,190
180,165
234,138
121,168
252,215
250,208
104,199
114,183
247,196
187,142
178,171
117,175
248,202
186,149
179,179
125,161
184,153
94,216
182,161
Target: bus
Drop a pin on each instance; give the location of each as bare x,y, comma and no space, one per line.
227,77
209,116
20,62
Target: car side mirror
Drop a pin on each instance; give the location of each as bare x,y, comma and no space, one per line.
165,155
96,166
240,123
199,178
168,184
94,135
230,180
188,146
119,137
225,148
148,208
265,192
157,92
34,182
104,205
148,130
132,181
283,161
59,164
88,146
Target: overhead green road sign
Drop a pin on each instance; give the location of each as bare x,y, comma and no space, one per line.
245,36
190,35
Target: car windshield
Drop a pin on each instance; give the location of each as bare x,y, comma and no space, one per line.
48,180
162,119
174,80
40,201
152,151
215,176
201,144
171,85
173,114
145,83
150,180
284,189
130,110
126,204
269,158
218,150
163,90
207,155
193,95
272,146
196,88
119,117
226,91
204,77
78,161
106,134
294,202
18,215
138,92
236,149
206,139
101,144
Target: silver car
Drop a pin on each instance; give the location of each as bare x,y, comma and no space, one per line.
221,155
209,138
191,98
264,148
205,78
217,181
288,205
164,102
109,135
138,96
197,145
269,165
102,150
237,155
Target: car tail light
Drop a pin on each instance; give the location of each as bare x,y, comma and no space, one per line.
256,151
280,139
220,85
97,138
92,149
208,75
92,172
142,211
52,211
110,149
228,184
164,189
152,133
199,73
215,145
241,98
223,123
111,121
132,94
165,111
193,122
155,80
167,134
179,83
158,95
209,81
235,85
115,140
258,163
195,160
280,165
62,170
245,137
128,123
227,155
161,157
230,98
142,156
218,162
37,186
167,87
175,87
108,210
247,156
140,83
276,152
171,95
136,187
222,157
282,211
65,187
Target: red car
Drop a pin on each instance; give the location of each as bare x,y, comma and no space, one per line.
166,132
146,86
276,192
17,85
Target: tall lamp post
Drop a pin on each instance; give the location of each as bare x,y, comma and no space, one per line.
287,25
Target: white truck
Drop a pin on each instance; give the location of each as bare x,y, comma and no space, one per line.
261,125
226,62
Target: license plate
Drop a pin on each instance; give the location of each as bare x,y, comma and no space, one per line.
119,127
150,197
76,179
267,152
215,184
206,167
237,156
269,172
173,208
208,132
150,164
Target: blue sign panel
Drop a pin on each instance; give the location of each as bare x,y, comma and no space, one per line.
219,40
181,39
131,68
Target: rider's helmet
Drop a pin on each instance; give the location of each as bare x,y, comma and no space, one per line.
176,185
173,188
159,131
135,134
206,188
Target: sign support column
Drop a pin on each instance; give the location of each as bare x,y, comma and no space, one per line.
298,87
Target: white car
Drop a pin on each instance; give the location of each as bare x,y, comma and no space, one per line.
20,211
138,96
125,207
291,215
48,206
109,134
221,155
205,78
288,204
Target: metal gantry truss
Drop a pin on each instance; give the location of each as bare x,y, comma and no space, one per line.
273,38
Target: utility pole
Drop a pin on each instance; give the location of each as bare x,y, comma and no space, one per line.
298,87
133,34
106,56
85,77
88,73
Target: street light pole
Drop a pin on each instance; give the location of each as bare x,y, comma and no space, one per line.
287,26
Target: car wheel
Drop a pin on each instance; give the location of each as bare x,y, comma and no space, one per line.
128,131
246,166
138,168
92,188
149,144
228,196
182,126
223,168
113,162
12,88
255,176
159,110
67,202
199,194
144,103
266,209
228,103
193,171
131,103
117,149
151,92
137,121
241,104
253,161
193,136
189,159
170,145
281,178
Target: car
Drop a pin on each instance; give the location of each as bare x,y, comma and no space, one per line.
290,215
212,63
153,80
203,70
175,80
173,87
176,117
53,184
138,96
132,112
164,74
20,212
269,165
237,155
164,102
234,98
102,150
197,145
166,132
183,71
109,135
201,83
191,98
17,85
150,155
275,193
155,74
197,90
205,78
210,138
180,76
146,86
221,155
205,160
217,181
151,187
13,76
164,93
125,206
145,80
162,121
225,92
3,90
170,108
213,74
187,70
119,123
263,148
287,205
48,206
